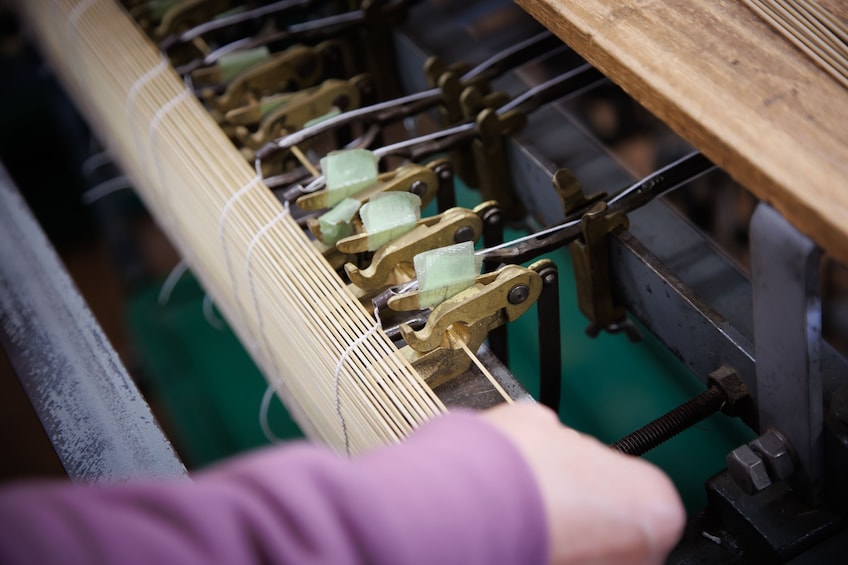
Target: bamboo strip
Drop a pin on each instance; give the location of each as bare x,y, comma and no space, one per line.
813,28
288,307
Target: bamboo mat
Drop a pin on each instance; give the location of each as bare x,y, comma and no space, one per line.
335,370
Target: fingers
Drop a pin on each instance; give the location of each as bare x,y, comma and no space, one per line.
601,505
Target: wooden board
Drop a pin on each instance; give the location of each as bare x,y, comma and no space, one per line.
731,86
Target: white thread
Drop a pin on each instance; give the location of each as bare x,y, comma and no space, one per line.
209,313
173,278
141,81
95,161
153,134
106,188
231,202
263,416
345,354
131,107
248,258
221,224
73,35
76,13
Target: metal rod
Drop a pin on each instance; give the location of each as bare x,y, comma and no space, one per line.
669,425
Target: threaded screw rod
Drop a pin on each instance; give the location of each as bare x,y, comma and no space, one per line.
669,425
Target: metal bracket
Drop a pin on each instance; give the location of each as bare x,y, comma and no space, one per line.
550,344
787,327
590,257
490,158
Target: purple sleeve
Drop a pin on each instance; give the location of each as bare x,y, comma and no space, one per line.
457,491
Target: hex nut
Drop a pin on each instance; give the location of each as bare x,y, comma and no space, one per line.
773,449
748,470
734,388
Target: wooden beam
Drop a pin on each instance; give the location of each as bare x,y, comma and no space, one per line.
732,87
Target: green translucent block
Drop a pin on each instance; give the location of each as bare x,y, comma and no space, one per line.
388,216
445,271
347,172
336,223
331,114
233,64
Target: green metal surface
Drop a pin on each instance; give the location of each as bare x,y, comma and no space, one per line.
208,386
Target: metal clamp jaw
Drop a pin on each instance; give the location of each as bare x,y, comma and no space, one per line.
421,180
590,256
494,299
300,108
424,181
392,264
294,69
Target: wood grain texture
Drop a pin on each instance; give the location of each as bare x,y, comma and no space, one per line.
731,86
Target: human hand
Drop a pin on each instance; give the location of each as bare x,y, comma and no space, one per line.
601,506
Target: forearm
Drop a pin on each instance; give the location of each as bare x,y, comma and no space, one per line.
456,492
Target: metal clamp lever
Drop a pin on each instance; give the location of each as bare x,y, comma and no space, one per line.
494,299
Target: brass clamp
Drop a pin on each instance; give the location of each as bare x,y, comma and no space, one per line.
590,256
492,301
392,264
297,109
293,69
421,180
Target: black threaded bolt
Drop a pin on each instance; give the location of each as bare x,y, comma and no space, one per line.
669,425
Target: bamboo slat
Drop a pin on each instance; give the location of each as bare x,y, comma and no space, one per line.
338,373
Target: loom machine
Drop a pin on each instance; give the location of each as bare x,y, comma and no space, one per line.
377,195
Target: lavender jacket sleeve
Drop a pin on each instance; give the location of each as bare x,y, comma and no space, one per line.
457,491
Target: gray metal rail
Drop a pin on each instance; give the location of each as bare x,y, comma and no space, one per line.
100,426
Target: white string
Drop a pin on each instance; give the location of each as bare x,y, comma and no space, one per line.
209,313
249,257
139,83
106,188
171,282
76,13
131,107
255,181
96,161
264,407
153,135
337,373
72,32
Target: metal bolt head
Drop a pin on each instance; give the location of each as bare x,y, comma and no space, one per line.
734,388
518,294
444,171
748,470
418,188
465,233
773,448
